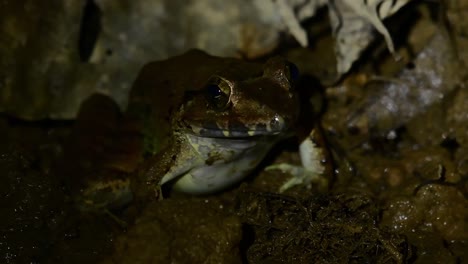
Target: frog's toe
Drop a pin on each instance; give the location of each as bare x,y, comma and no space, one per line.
299,176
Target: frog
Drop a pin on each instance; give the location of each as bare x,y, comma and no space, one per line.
208,121
195,122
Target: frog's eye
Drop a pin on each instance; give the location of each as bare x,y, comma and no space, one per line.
218,91
292,71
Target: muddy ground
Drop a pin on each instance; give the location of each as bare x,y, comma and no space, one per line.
398,134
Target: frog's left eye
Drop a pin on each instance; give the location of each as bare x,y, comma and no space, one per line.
218,92
292,71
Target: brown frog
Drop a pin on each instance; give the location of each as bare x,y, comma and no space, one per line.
206,123
209,121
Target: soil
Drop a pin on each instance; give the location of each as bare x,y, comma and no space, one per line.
397,132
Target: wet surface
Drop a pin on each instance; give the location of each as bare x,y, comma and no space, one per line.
398,135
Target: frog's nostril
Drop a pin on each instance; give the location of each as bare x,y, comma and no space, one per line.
277,123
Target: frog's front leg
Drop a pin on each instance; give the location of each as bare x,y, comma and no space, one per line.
316,163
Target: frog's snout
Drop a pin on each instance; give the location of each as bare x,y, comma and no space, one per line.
277,124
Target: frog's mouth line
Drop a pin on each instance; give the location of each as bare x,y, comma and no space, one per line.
236,129
217,132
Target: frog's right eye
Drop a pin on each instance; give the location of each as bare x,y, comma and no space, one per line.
218,92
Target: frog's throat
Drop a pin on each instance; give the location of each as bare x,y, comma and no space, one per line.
212,164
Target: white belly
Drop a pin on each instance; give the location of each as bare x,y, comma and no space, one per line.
227,161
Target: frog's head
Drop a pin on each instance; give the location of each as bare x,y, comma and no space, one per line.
236,103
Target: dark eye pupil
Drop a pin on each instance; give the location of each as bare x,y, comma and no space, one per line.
216,96
214,90
293,71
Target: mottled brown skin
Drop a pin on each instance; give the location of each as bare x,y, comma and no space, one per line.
170,100
206,123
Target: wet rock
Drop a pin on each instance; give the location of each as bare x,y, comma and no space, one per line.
54,57
438,208
433,76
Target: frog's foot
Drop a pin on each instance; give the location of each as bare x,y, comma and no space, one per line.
315,163
300,176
